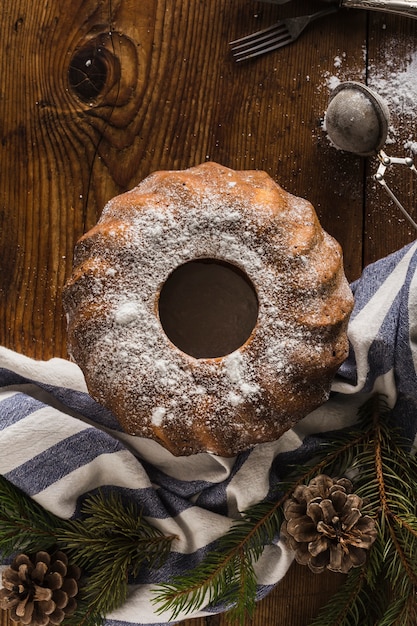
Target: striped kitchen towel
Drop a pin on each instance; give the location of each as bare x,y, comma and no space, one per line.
57,444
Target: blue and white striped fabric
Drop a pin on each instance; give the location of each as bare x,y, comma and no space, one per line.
57,444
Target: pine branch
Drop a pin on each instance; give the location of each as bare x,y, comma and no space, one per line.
394,475
110,542
242,599
391,489
109,527
386,478
349,605
24,525
225,572
402,611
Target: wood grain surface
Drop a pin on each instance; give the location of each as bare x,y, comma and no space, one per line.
96,94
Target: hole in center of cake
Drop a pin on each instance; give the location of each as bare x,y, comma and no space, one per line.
208,308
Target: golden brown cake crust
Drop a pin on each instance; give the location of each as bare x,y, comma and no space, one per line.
256,393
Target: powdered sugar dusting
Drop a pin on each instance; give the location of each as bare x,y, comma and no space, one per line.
398,86
158,414
127,313
395,80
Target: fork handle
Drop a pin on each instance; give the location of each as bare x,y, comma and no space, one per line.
407,8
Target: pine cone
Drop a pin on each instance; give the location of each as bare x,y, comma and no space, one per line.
325,527
40,590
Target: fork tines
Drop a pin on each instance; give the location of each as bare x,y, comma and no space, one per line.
261,42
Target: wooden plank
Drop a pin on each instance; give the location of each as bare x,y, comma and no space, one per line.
392,49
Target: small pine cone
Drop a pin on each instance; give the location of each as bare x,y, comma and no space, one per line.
325,527
40,590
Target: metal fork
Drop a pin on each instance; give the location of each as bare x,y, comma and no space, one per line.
276,36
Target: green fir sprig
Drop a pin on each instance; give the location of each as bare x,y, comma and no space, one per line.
383,591
226,574
386,478
24,525
110,542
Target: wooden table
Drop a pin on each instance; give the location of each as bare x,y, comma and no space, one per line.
96,94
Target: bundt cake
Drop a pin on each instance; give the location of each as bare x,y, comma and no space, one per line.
208,309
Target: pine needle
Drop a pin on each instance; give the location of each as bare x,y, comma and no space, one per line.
110,542
24,525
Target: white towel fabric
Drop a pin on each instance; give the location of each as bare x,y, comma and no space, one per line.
57,444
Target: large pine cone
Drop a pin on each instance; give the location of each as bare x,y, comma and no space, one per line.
325,527
41,590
